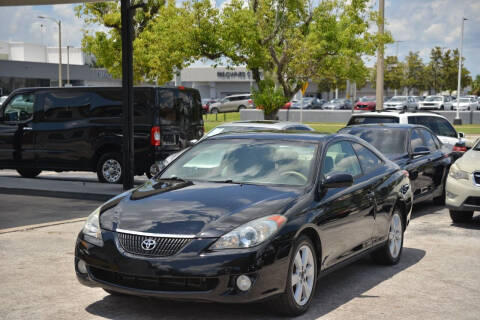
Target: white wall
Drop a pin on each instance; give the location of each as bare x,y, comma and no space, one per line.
30,52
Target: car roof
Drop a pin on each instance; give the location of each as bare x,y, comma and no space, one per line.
397,114
279,135
239,95
385,126
263,124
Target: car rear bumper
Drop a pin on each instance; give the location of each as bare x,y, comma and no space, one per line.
462,195
186,275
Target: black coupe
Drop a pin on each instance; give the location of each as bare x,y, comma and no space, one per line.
243,217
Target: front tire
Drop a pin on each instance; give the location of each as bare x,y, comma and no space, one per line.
214,111
29,172
301,282
461,216
109,168
391,252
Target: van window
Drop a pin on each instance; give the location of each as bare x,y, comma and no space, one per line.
19,108
366,120
66,106
166,103
106,104
190,105
439,126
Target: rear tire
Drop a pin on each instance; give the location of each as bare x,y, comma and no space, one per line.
29,172
461,216
240,108
214,111
303,270
110,168
390,253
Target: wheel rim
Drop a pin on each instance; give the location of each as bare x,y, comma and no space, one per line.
303,275
395,236
112,170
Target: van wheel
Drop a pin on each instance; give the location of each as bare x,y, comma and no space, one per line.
29,172
214,110
240,108
109,168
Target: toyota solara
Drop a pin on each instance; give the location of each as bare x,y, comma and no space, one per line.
243,217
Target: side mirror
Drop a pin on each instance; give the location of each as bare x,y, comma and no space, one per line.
194,141
461,135
420,151
337,180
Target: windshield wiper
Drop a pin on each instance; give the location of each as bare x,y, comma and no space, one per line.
174,179
226,181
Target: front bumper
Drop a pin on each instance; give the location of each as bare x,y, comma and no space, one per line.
187,275
462,195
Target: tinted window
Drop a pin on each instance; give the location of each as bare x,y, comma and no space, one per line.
428,140
166,104
66,106
415,140
19,108
189,105
367,120
368,160
387,141
341,158
439,126
300,128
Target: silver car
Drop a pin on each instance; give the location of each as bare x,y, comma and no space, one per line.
466,104
337,104
401,103
232,103
436,103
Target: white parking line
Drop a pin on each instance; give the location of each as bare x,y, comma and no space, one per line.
40,225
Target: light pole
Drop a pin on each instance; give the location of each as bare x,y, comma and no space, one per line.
380,64
59,23
457,119
68,65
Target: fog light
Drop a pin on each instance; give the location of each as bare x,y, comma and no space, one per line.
244,283
451,195
82,266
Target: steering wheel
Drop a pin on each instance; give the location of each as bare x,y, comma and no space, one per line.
294,174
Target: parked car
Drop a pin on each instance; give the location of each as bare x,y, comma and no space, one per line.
206,104
308,103
80,129
400,103
2,99
232,103
437,123
240,126
337,104
415,149
436,103
239,217
366,103
466,104
463,186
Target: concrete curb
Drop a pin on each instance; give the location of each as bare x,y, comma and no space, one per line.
57,194
40,225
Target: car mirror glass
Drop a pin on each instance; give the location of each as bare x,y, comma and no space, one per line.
337,180
461,135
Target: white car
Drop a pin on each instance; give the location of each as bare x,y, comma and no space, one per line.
466,104
436,103
437,123
2,99
401,103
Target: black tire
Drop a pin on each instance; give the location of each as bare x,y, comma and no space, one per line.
29,172
384,255
241,107
461,216
285,303
115,177
214,110
442,108
440,200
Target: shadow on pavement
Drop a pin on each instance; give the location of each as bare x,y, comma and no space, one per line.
333,291
473,225
423,208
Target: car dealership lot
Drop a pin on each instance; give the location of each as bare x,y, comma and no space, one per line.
436,278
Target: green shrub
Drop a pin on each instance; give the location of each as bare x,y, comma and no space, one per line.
269,98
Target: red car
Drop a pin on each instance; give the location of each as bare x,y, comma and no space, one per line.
206,105
365,104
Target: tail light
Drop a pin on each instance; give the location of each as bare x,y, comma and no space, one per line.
155,137
405,173
250,101
459,148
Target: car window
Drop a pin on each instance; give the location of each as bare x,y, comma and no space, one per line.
366,120
428,140
386,140
66,106
369,161
19,108
300,128
416,140
439,126
341,158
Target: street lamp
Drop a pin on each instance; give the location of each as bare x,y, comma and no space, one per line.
457,119
59,23
68,65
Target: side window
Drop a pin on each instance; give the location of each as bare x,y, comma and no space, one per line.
166,104
66,106
439,126
428,140
20,108
415,140
299,128
369,161
106,104
341,158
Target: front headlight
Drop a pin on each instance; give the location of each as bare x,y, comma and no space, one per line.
91,230
458,174
250,234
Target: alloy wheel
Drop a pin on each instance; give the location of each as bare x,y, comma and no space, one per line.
112,170
303,275
395,236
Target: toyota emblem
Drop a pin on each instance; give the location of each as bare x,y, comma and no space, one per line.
148,244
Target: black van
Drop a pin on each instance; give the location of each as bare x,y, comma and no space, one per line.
80,128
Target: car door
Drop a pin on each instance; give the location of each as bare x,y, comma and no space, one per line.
17,142
346,220
417,166
225,104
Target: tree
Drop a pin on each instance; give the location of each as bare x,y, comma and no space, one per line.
476,86
393,76
414,72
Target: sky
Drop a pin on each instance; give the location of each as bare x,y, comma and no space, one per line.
418,24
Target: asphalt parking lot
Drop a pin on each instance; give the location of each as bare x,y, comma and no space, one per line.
437,277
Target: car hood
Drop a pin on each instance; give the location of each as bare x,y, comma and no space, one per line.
195,208
395,102
469,161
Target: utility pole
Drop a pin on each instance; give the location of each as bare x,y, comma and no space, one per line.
457,119
68,65
380,63
59,23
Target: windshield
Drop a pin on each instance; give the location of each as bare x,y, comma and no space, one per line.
367,120
246,161
367,99
387,141
335,100
398,99
434,99
464,100
224,129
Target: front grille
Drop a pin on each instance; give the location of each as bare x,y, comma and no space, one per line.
473,201
476,177
132,243
155,283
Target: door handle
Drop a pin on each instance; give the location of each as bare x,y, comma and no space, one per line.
27,128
